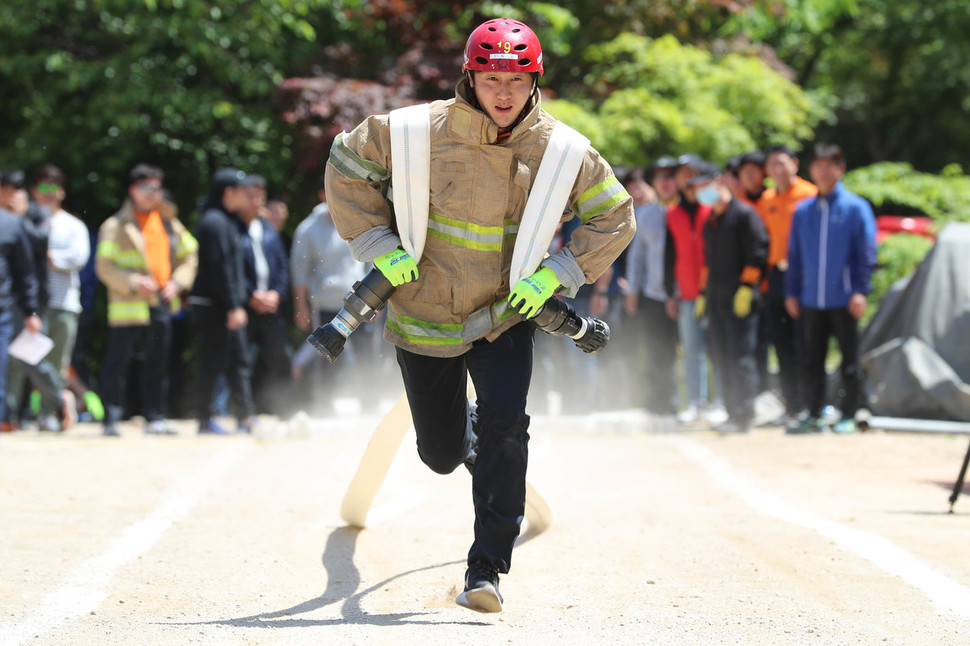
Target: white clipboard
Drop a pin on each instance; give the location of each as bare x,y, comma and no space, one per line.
30,347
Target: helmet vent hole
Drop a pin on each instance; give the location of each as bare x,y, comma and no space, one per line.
525,62
481,60
516,30
486,46
520,47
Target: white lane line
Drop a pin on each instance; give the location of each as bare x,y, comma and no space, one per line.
946,594
86,587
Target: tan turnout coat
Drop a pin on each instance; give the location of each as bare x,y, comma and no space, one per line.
120,262
479,190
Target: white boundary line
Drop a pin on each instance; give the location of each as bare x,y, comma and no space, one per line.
946,594
85,588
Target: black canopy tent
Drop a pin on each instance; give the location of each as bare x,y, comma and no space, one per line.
916,349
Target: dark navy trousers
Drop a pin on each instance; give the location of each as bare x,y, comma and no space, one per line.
436,388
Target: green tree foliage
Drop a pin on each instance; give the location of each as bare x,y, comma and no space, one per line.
658,96
896,70
95,86
897,188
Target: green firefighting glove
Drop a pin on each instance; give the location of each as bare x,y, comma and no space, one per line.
530,294
700,306
742,301
398,267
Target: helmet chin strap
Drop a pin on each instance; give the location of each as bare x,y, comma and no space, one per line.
535,84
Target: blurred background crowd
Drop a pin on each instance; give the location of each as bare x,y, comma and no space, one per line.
190,87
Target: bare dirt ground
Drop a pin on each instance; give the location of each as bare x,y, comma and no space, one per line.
657,538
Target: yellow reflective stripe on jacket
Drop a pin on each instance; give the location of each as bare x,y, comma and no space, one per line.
125,259
503,309
510,231
131,260
187,244
128,311
465,234
420,332
351,165
108,249
602,197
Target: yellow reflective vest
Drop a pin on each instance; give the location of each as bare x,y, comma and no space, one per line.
120,261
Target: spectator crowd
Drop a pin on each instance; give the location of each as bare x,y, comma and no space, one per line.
735,281
733,285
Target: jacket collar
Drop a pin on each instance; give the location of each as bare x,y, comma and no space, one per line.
480,128
127,211
835,194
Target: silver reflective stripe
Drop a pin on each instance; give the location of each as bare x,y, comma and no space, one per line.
465,234
478,325
350,165
601,197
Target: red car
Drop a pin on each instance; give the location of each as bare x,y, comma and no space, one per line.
886,225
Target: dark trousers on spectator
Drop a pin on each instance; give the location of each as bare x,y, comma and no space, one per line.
732,342
660,374
6,336
271,376
762,344
786,336
220,349
436,390
44,376
149,344
818,326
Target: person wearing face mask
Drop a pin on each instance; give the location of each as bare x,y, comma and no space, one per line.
736,248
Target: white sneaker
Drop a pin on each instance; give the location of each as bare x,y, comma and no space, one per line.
716,415
688,416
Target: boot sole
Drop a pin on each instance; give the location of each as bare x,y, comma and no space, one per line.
484,599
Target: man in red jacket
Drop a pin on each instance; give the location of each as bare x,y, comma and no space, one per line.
683,263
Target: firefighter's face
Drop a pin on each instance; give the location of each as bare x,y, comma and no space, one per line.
502,95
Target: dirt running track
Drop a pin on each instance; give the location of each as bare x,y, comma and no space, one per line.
658,538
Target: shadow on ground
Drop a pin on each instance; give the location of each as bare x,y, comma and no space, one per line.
343,586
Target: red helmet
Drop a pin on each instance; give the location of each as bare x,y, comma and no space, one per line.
503,45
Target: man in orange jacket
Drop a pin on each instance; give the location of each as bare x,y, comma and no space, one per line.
777,207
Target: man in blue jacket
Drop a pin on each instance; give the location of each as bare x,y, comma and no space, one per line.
831,253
